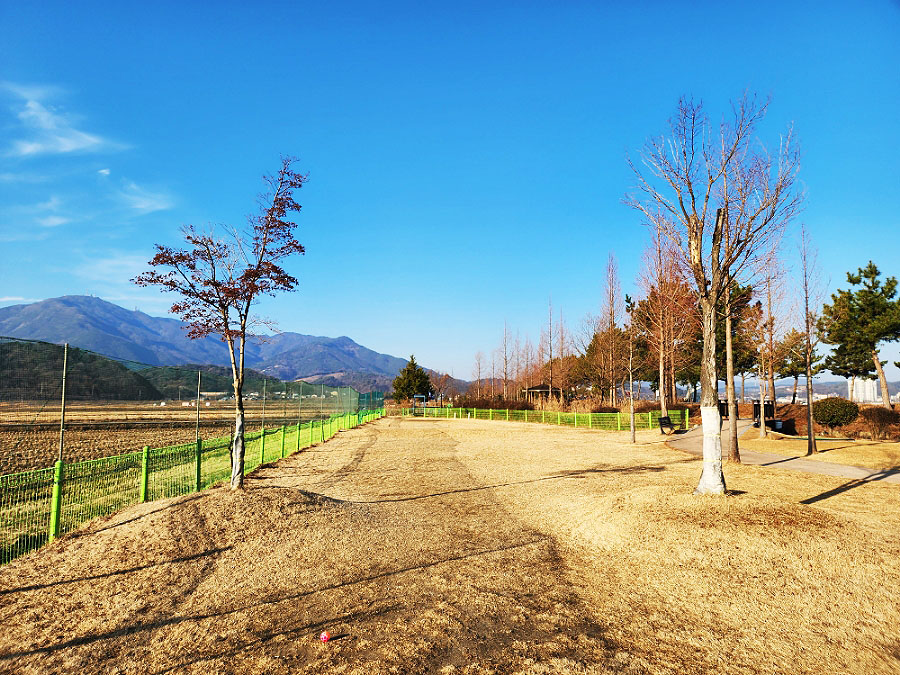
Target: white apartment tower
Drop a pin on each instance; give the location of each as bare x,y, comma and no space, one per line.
864,391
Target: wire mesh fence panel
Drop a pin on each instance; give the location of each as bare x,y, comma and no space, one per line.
114,406
97,488
215,461
25,500
172,471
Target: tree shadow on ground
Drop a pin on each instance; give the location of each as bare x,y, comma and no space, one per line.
187,558
579,473
855,483
174,620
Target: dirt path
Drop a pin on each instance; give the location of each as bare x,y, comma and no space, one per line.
409,562
432,546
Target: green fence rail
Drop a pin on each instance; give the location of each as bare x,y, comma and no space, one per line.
607,421
37,506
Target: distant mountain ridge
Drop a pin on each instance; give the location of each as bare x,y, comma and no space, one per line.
106,328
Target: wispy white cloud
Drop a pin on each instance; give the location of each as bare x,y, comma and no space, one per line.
47,130
10,177
52,221
143,200
103,172
51,204
112,267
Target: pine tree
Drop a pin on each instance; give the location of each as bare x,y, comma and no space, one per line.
412,381
858,320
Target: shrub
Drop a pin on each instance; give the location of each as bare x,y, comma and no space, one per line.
604,409
834,412
878,420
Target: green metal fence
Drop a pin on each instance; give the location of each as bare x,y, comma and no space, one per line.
608,421
37,506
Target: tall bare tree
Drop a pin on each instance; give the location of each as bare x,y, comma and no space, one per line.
812,297
683,196
221,276
506,355
479,372
548,343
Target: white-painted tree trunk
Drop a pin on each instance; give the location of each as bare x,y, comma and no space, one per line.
712,480
237,451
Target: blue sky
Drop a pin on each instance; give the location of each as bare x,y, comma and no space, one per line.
466,160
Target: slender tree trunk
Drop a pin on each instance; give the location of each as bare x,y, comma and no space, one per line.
885,394
734,453
631,384
712,480
663,410
237,443
852,387
811,448
762,403
770,331
670,382
794,395
743,399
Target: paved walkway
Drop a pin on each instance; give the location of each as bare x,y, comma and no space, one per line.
692,442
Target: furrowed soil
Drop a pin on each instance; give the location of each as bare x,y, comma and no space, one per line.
443,546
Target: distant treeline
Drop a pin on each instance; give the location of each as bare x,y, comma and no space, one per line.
32,371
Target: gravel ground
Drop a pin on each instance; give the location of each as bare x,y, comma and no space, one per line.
470,547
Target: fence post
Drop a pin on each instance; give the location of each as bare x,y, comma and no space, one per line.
199,476
526,414
56,500
542,416
576,419
507,414
649,421
475,414
262,447
618,421
491,414
558,417
297,449
145,473
283,429
590,420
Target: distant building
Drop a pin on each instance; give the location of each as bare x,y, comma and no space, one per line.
863,391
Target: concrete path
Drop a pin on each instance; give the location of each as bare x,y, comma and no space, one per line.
692,442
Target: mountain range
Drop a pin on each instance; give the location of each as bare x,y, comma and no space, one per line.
100,326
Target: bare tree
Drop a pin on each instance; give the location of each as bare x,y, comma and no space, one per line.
478,372
812,296
667,317
517,360
548,343
506,358
689,207
221,277
529,358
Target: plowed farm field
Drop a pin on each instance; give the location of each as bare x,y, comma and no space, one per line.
462,546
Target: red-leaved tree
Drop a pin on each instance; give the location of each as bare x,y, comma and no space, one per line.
221,275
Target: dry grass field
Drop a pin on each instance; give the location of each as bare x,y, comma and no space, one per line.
432,546
860,452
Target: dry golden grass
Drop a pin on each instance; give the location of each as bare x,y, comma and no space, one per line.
867,454
473,547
